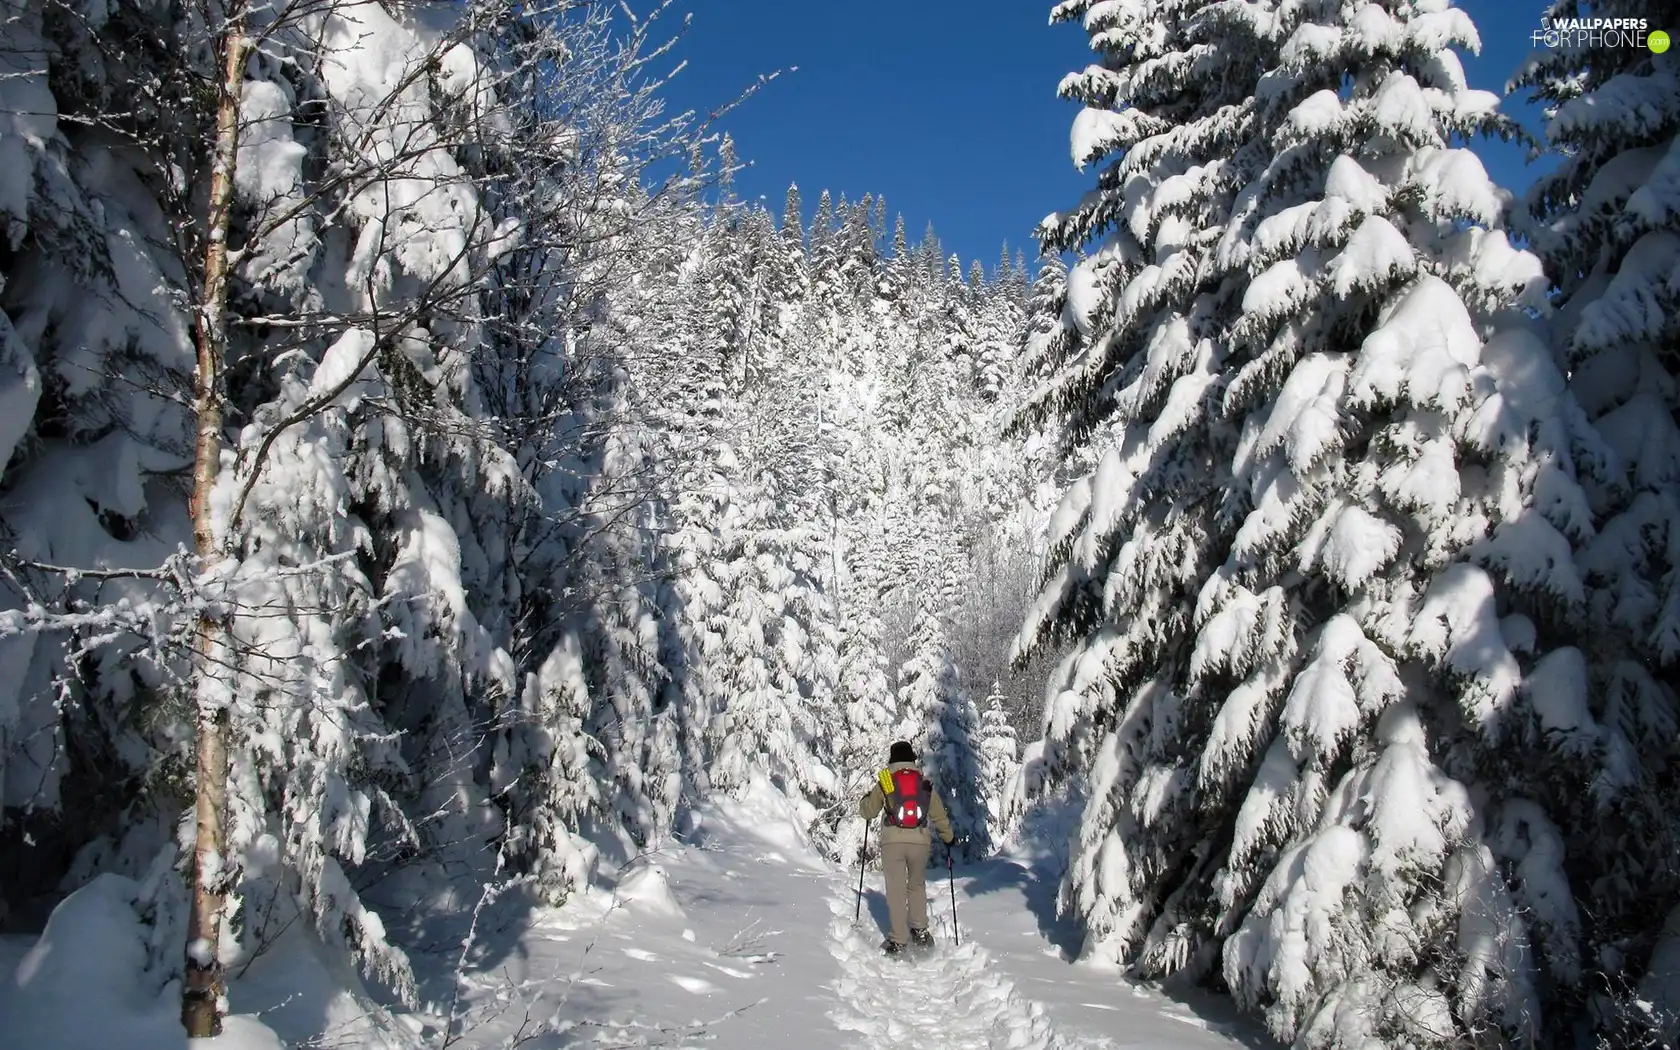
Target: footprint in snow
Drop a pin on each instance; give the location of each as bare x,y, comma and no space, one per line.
967,1004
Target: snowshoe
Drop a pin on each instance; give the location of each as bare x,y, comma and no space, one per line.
892,947
921,940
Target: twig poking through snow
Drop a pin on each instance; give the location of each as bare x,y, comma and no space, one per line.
748,944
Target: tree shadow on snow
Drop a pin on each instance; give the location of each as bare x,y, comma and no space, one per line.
431,915
1039,884
1217,1012
1038,887
590,1004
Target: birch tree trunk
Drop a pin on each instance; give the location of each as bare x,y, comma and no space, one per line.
202,994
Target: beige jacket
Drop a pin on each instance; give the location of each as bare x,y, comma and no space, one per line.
874,802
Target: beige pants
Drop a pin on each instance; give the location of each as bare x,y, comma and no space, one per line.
905,865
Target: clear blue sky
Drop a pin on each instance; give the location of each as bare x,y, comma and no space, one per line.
948,109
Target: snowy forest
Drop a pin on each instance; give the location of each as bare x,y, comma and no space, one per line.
420,465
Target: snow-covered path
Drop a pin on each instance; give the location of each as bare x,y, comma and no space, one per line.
737,937
741,938
1010,984
952,997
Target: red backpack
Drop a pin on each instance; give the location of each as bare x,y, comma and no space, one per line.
909,795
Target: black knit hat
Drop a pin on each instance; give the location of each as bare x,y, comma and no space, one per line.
901,751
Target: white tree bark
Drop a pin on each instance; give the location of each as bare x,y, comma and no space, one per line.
202,994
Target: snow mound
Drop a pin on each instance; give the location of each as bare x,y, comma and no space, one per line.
647,888
309,994
85,983
767,816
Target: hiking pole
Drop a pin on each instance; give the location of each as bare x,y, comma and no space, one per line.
863,856
951,877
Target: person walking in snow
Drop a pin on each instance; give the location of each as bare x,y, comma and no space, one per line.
910,810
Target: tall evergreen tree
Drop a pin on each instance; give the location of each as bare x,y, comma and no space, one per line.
937,715
1606,223
822,223
932,256
1006,274
1286,578
827,247
793,219
999,760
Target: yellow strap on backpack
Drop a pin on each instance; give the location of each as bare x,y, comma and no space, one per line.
886,782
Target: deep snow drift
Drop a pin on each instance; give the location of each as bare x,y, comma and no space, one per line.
739,936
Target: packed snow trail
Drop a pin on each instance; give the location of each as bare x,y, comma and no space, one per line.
948,997
739,936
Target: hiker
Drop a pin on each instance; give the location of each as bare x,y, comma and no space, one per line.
907,804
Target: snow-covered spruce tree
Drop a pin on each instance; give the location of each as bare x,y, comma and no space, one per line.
792,228
364,446
1335,483
997,326
767,728
590,284
96,361
937,715
812,610
1606,223
999,759
639,734
862,699
727,285
698,434
930,257
823,251
862,723
773,280
697,438
856,577
857,250
1047,341
893,267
